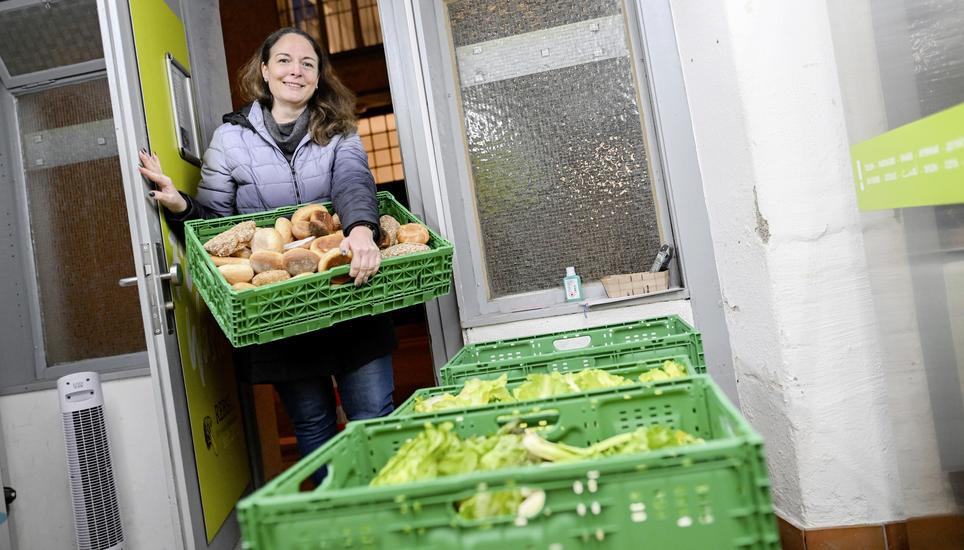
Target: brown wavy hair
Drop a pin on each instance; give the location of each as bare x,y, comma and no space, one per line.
332,106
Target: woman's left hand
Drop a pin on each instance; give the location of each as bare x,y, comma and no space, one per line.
365,256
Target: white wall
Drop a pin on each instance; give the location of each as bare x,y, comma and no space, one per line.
765,102
36,460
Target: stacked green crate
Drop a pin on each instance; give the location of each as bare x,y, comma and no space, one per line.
713,494
599,347
630,370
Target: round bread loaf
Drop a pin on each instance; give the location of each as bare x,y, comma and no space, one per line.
267,238
299,260
230,241
266,260
299,220
320,224
219,261
413,233
402,249
236,273
323,244
268,277
334,258
389,231
283,227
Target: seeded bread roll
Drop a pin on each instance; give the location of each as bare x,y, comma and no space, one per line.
266,260
232,240
267,238
299,260
283,227
333,258
402,249
268,277
299,220
219,261
236,273
323,244
389,231
412,233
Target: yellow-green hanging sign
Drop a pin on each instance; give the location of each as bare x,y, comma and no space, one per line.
918,164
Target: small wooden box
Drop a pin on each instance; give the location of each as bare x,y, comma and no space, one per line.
635,284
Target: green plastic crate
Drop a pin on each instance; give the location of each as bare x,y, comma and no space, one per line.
630,370
713,495
296,306
578,349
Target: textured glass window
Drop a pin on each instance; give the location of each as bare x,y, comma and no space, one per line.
348,24
48,35
78,224
555,139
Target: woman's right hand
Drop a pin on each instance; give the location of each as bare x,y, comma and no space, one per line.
166,194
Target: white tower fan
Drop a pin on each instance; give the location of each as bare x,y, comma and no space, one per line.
89,470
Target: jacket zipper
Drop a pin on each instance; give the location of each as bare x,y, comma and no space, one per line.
294,179
291,165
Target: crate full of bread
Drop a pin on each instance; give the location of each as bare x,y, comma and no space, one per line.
280,273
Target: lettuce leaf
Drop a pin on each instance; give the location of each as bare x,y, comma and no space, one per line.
475,392
667,371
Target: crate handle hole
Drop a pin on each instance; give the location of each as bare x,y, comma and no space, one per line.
568,344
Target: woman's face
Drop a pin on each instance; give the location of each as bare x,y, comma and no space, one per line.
291,71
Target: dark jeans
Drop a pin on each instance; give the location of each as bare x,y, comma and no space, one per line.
365,393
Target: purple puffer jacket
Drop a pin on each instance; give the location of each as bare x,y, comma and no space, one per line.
244,171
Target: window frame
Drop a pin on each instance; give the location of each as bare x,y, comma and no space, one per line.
477,308
42,376
45,75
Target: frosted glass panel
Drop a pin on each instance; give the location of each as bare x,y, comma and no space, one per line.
39,37
555,141
78,224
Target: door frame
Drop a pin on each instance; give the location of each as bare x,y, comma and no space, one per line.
180,467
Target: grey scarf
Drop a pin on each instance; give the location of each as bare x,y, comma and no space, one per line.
287,135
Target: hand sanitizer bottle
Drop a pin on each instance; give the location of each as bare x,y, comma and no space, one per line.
573,285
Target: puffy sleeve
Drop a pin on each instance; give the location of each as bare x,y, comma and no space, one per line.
217,192
352,186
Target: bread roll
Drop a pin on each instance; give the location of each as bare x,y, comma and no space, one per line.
242,253
283,227
402,249
303,243
412,233
323,244
302,275
320,224
299,220
389,231
242,286
268,277
299,260
333,258
236,273
267,238
266,260
219,261
230,241
336,222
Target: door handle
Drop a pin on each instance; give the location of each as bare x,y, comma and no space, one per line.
175,276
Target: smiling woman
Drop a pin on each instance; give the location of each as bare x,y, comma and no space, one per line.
296,142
